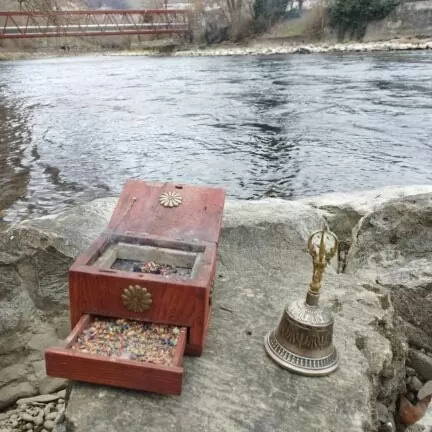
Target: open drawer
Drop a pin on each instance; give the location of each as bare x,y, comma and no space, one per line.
121,353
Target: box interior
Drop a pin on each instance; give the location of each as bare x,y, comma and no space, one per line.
146,258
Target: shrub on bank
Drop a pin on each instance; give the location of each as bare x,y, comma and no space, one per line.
351,17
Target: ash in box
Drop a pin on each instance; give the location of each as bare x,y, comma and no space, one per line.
127,339
152,268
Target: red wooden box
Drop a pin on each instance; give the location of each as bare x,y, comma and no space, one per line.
160,222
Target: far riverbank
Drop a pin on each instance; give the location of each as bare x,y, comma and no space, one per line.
257,47
275,47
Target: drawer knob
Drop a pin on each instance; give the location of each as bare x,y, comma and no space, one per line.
136,298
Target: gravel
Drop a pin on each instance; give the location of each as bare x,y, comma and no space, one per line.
34,414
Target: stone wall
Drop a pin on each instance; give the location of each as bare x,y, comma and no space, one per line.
410,19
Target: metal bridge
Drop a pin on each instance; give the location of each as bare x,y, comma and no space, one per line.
78,23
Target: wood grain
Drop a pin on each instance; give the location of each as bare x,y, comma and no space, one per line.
197,218
179,302
140,220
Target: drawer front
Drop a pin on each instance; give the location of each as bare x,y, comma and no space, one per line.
66,362
151,301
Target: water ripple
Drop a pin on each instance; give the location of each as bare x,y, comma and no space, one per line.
287,126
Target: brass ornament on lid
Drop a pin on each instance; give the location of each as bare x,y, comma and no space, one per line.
303,340
170,199
136,298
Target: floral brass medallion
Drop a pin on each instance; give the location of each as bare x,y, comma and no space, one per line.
170,199
136,298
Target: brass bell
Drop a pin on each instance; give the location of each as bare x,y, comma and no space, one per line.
303,340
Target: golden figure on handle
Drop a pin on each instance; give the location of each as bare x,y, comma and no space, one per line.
322,247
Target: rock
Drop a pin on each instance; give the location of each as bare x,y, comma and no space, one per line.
51,416
10,392
12,373
415,428
389,426
35,256
287,215
411,397
52,384
392,247
422,364
416,337
48,408
392,235
61,394
267,398
38,420
425,391
214,28
49,425
410,372
382,413
60,416
39,398
302,50
27,417
414,384
411,291
344,210
34,259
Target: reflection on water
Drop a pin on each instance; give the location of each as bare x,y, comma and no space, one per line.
14,137
75,129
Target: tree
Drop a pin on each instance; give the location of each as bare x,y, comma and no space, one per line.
353,16
267,12
39,5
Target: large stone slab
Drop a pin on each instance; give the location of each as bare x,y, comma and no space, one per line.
34,260
393,246
344,210
411,289
394,234
234,386
365,201
262,264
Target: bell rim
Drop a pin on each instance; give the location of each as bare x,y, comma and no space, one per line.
331,361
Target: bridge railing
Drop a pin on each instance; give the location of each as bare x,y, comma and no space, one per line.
29,24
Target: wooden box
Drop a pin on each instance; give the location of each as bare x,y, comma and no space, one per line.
171,229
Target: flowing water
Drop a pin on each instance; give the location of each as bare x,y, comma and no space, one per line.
73,129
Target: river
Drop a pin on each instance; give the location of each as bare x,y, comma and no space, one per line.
73,129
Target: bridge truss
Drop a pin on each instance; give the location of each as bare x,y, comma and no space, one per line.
78,23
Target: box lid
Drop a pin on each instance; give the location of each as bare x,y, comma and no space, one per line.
170,210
